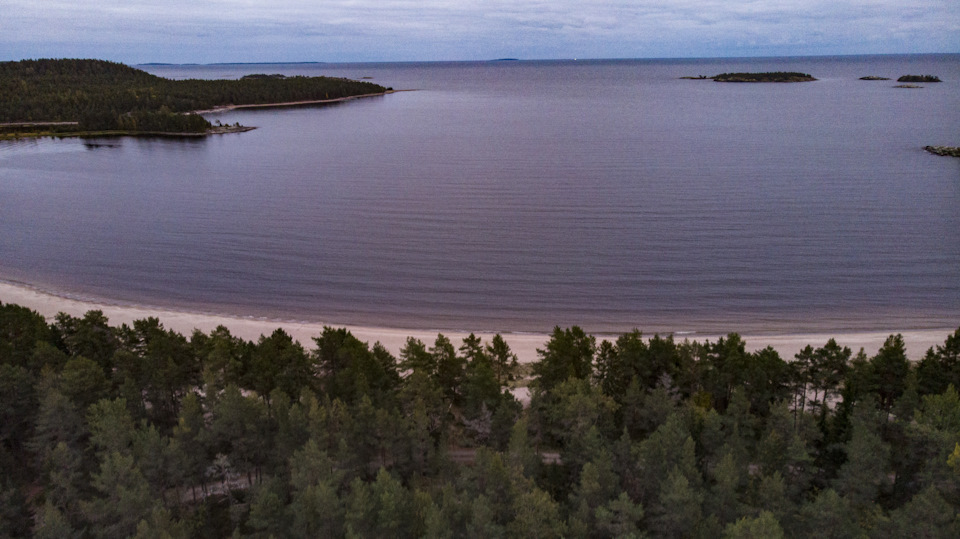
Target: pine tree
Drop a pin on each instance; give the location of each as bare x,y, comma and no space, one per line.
568,354
505,362
124,498
864,476
537,516
764,526
679,510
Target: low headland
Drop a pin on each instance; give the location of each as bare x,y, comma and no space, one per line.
71,97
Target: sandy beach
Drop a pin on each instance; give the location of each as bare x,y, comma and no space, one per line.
523,344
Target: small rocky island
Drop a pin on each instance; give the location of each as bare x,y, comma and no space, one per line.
263,76
775,76
946,151
919,78
874,77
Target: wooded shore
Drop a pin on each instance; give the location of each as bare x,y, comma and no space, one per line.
136,429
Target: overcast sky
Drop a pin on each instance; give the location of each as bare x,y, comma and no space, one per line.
206,31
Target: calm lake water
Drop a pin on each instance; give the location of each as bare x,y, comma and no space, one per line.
515,196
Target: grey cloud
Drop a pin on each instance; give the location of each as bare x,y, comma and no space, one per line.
432,29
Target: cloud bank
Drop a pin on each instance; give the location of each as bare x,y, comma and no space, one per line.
395,30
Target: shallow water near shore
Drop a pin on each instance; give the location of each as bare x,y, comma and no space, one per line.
513,196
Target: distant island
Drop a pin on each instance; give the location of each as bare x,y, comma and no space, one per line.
919,78
874,77
73,97
775,76
254,63
260,76
946,151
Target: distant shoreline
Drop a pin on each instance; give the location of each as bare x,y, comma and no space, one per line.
48,303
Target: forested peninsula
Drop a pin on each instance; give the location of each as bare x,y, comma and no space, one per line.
41,97
140,431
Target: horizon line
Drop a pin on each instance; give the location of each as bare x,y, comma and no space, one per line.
572,59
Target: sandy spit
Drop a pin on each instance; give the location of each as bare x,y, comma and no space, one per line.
523,344
293,103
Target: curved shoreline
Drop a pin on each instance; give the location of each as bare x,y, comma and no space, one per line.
525,345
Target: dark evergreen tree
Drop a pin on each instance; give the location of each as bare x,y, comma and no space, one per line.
889,369
940,367
21,330
568,354
349,370
90,337
278,362
505,362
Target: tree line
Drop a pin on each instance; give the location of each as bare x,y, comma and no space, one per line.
103,95
137,430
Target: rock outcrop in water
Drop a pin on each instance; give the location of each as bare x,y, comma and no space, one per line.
775,76
263,76
946,151
919,78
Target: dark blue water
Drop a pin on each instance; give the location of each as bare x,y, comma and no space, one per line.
520,195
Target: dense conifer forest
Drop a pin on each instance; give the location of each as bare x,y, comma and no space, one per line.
139,431
102,95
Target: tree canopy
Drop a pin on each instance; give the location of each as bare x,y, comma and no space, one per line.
139,431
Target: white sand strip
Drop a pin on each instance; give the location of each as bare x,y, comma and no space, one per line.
523,344
225,108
